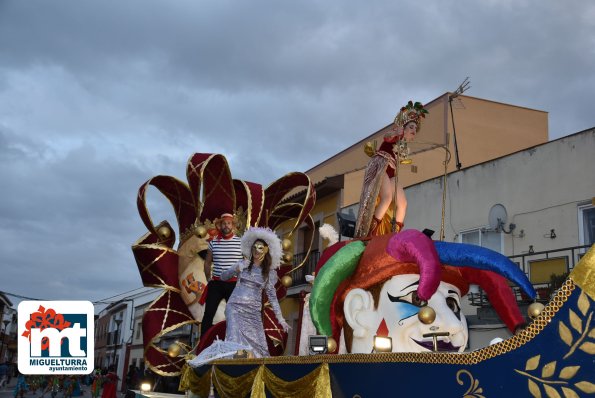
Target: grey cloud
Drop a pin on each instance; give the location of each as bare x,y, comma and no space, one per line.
98,96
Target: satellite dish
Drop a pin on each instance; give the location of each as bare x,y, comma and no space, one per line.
497,217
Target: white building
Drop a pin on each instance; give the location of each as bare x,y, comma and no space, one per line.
548,193
115,332
8,330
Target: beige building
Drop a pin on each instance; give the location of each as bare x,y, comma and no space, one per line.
485,130
118,341
547,190
547,196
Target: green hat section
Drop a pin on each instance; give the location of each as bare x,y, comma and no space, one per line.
339,267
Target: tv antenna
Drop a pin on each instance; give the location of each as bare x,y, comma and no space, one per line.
466,85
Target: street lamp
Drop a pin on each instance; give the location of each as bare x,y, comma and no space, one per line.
116,338
6,322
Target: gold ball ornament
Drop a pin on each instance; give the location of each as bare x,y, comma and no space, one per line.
200,231
286,244
286,280
369,148
331,344
287,257
535,309
426,315
164,232
174,350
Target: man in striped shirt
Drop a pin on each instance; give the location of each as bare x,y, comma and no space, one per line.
224,252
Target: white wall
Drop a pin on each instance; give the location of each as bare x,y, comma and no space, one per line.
541,189
127,327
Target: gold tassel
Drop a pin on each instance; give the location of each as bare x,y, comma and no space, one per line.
258,384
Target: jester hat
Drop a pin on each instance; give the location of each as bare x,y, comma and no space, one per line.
349,265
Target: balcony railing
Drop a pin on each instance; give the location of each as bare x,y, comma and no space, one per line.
113,338
299,275
572,254
546,290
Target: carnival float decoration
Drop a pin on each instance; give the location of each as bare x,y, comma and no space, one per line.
399,286
210,191
552,356
409,288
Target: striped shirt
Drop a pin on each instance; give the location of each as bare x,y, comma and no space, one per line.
226,253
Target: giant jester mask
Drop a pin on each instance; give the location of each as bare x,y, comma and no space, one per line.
378,288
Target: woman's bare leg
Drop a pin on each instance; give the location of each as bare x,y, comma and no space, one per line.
387,190
401,204
386,196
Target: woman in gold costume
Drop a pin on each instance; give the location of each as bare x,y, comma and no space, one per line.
380,184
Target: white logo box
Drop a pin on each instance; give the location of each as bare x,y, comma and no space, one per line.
78,358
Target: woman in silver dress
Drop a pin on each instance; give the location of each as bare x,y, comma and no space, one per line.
243,313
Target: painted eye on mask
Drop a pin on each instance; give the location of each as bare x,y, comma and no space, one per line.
411,298
453,304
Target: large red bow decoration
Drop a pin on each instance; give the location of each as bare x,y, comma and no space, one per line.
210,192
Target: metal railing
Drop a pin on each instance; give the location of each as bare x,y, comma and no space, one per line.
572,254
299,275
113,338
545,290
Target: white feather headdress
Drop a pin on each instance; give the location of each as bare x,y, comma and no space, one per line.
328,232
267,235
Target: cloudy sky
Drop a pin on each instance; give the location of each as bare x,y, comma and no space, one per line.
98,96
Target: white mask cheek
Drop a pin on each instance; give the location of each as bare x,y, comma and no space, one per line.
402,332
460,339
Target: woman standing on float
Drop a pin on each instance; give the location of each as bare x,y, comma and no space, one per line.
380,183
257,273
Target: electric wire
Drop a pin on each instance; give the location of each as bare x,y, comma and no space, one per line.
107,300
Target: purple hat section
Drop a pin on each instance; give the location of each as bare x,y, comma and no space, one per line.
465,255
412,246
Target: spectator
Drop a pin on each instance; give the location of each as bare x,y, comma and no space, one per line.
110,382
3,374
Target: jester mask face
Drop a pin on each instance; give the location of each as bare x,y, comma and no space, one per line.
396,314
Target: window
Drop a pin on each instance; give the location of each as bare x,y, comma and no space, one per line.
138,330
482,237
586,224
347,218
541,271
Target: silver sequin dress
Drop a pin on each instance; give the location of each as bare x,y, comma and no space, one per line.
243,312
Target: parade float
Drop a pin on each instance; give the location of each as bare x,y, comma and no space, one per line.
179,272
384,310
